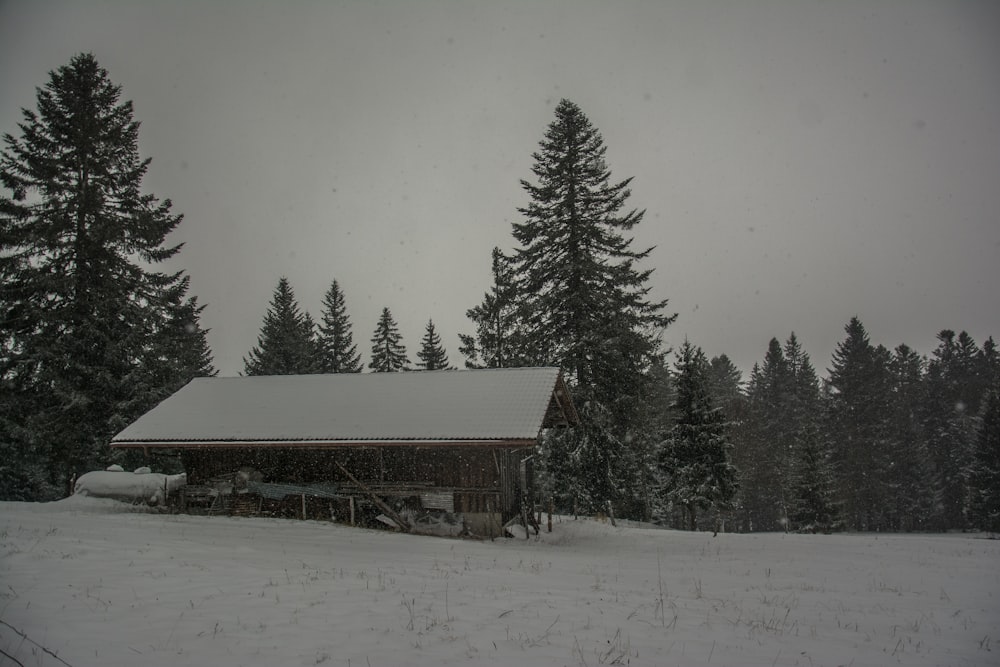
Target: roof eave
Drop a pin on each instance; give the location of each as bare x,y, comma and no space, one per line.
320,444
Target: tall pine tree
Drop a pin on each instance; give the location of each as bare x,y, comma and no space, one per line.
88,330
432,354
388,351
336,342
725,385
954,392
858,427
286,344
810,492
583,305
909,480
766,478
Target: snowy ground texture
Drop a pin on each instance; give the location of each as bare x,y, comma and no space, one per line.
99,584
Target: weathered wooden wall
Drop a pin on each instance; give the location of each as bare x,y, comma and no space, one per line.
483,479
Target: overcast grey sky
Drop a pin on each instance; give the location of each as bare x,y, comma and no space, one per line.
800,162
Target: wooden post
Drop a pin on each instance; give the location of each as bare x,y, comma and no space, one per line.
351,503
303,507
489,520
550,514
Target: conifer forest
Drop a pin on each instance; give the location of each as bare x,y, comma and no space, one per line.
94,331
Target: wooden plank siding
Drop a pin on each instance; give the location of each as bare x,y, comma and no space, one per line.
481,478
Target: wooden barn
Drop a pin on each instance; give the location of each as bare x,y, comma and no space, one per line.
339,445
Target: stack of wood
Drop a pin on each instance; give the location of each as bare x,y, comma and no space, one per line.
244,505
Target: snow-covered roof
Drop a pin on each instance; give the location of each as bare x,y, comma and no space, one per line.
508,404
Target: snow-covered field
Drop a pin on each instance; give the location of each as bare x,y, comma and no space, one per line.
99,584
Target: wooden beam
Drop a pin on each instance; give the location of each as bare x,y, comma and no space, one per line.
402,523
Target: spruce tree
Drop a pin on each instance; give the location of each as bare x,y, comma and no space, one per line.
782,459
858,427
432,355
88,336
970,373
805,384
748,457
336,342
813,507
779,445
765,449
582,303
989,363
495,343
653,419
388,351
286,344
909,480
725,384
183,346
695,460
984,473
560,478
954,392
807,487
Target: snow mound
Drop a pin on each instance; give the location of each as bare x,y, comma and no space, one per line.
147,487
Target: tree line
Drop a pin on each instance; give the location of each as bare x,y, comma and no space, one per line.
92,336
888,441
291,343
